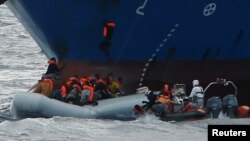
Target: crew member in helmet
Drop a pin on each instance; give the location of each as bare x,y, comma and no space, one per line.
197,94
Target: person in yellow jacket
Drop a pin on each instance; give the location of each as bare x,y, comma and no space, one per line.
115,87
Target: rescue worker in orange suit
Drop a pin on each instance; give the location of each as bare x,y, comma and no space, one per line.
53,68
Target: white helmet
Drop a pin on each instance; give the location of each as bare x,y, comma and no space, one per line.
195,83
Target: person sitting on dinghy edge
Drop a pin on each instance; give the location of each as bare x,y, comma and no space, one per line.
152,101
53,68
196,95
158,104
45,86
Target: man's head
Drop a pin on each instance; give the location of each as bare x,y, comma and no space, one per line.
195,83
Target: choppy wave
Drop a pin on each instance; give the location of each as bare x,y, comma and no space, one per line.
21,60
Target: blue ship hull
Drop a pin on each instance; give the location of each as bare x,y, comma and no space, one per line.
154,41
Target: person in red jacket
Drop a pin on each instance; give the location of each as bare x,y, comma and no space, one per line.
166,91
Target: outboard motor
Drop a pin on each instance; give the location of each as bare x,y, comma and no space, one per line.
214,107
197,101
229,105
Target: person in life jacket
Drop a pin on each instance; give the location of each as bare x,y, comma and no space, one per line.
53,68
115,88
165,97
74,96
59,94
108,32
197,94
88,95
72,81
166,91
101,88
64,91
47,86
164,104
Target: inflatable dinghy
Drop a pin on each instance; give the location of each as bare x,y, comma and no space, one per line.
26,105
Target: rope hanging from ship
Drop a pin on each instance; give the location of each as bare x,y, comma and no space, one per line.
131,31
127,39
153,56
106,43
140,13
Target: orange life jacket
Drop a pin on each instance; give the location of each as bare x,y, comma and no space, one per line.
163,99
91,90
47,86
64,91
101,81
74,78
83,81
105,30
